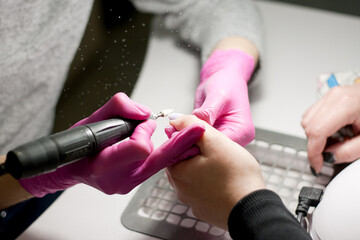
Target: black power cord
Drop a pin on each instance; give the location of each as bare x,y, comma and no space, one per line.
308,197
3,170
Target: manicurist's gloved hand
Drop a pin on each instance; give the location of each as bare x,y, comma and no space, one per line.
120,167
222,96
339,107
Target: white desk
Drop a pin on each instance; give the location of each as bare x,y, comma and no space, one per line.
300,44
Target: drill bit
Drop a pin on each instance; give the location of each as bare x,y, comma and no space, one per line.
163,113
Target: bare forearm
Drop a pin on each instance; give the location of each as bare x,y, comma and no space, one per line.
10,190
239,43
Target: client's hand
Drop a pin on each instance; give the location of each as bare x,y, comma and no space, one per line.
215,180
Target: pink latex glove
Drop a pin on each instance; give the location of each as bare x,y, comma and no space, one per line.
222,96
120,167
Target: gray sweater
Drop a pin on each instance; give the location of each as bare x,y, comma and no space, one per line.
39,38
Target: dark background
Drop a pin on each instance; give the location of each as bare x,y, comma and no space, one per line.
108,60
351,7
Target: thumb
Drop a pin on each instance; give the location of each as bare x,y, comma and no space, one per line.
347,151
178,147
210,109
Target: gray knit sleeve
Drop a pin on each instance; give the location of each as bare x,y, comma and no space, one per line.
205,22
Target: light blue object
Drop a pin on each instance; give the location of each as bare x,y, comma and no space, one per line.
332,82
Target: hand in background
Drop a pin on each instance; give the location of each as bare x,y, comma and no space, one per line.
215,180
120,167
337,108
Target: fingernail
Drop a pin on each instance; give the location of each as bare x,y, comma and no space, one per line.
313,171
328,157
174,116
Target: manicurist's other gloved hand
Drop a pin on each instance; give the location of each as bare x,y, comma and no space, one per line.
339,107
120,167
222,96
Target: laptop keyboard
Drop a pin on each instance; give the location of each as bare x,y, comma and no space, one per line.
155,210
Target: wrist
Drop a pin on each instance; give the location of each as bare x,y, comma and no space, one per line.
235,60
52,182
238,43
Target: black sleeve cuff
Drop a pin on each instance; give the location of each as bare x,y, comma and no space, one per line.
262,215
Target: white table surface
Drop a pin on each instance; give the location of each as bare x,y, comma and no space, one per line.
300,44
